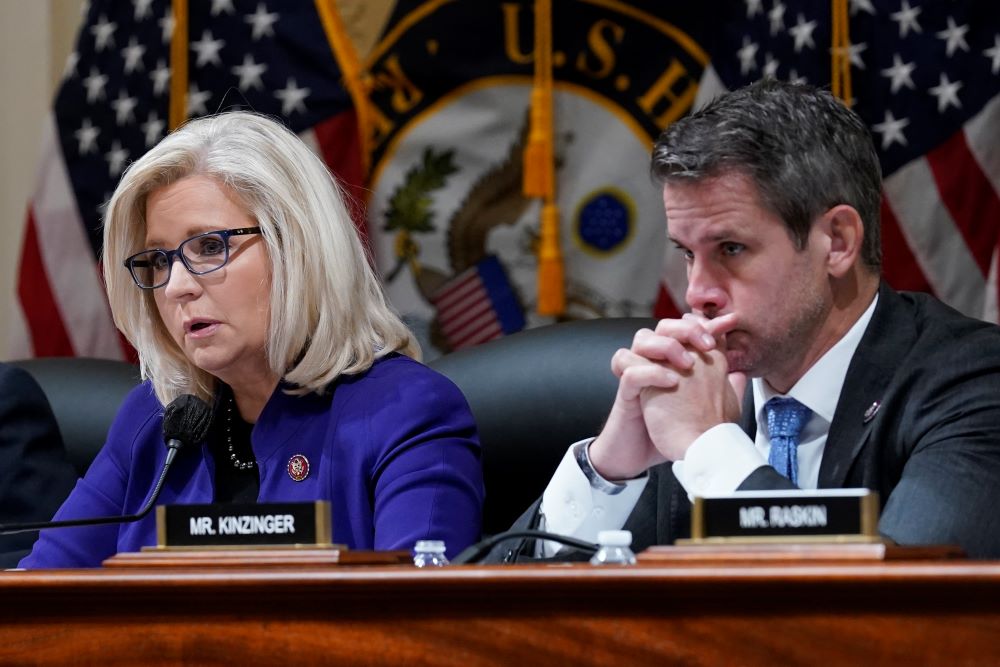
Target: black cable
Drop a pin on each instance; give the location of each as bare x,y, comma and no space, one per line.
477,551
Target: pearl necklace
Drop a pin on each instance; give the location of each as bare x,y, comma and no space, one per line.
237,463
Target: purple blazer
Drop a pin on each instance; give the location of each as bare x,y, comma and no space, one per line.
394,450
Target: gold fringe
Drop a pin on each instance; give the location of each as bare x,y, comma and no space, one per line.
539,168
350,66
551,278
179,64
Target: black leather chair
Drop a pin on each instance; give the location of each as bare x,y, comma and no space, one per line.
85,395
533,394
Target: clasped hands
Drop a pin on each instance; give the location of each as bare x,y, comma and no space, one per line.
673,385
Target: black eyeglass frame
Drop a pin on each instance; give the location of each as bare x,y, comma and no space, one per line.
130,262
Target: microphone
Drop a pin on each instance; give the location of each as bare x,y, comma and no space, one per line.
185,421
477,551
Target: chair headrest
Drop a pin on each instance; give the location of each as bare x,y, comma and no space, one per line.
85,395
533,394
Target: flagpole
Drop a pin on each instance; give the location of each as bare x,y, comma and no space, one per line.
179,64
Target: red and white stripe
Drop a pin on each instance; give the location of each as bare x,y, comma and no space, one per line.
60,292
947,208
465,311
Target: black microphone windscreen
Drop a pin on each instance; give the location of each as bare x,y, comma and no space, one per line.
187,419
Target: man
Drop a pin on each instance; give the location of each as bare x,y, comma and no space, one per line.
772,192
35,475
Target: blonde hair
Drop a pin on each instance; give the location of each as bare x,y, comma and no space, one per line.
329,315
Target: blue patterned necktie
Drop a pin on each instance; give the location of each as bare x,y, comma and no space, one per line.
785,419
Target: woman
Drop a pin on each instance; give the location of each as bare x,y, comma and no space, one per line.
232,266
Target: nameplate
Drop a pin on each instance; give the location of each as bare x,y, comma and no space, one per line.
821,515
243,525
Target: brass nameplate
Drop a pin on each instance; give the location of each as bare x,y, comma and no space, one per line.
820,515
244,525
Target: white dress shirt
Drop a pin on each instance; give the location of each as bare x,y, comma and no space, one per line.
716,463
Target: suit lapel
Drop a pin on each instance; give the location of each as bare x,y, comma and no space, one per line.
885,343
748,417
647,521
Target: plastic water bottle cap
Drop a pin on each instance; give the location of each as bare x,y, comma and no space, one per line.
614,538
437,546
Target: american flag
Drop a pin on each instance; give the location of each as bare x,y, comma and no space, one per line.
925,77
267,55
478,305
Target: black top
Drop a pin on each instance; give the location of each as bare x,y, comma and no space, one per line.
232,485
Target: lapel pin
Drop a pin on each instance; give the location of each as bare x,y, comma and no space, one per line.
871,412
298,467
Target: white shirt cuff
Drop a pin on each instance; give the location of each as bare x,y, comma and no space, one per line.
718,462
571,506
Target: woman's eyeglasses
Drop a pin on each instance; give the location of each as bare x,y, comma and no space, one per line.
200,254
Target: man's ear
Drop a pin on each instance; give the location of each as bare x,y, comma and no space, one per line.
846,231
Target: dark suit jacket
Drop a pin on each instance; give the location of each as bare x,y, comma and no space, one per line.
932,450
35,475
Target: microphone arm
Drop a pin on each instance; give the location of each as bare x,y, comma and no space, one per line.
186,420
477,551
172,447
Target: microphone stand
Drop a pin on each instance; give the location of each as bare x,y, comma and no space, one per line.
173,446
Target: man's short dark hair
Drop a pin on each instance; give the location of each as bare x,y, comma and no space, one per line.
802,147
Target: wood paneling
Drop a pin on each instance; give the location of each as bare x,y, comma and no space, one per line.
755,613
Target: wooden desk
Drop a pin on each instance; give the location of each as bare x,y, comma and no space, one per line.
862,613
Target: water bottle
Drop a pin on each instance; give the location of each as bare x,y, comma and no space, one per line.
429,553
614,548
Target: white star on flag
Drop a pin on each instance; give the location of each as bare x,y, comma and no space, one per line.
95,85
292,97
946,93
152,129
143,8
160,77
802,31
261,23
167,26
250,74
891,130
747,56
994,54
862,6
132,54
955,37
104,34
777,17
196,101
907,19
207,49
87,136
770,66
124,107
900,74
116,158
222,7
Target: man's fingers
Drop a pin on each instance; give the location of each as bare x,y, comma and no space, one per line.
721,325
636,378
689,331
650,346
698,331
